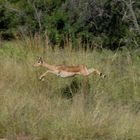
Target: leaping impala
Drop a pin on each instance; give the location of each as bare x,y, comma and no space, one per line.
65,71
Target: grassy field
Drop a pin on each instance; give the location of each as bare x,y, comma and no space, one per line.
77,108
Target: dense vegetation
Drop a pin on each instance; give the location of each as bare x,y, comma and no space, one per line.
94,23
70,32
99,109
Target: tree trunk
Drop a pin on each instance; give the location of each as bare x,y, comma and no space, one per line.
135,22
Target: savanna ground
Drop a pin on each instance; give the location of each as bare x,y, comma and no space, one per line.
77,108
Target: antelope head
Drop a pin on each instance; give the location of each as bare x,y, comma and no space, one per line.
39,62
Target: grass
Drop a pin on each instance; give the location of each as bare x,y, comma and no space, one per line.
98,109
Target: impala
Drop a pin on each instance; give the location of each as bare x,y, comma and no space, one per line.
65,71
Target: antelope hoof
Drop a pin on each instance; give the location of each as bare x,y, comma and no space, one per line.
41,79
102,75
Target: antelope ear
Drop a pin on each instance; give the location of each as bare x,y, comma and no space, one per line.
40,59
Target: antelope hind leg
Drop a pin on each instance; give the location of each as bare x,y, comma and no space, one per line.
95,71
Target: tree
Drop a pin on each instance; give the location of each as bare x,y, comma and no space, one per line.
133,15
105,23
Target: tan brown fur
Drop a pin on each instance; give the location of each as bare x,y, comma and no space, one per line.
66,71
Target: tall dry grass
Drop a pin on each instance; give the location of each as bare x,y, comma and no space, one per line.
99,109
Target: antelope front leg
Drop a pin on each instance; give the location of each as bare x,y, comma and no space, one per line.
41,78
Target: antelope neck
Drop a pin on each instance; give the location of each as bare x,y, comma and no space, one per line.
51,67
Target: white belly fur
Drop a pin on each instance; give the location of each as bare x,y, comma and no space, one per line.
66,74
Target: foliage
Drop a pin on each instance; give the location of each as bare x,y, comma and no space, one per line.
61,20
70,108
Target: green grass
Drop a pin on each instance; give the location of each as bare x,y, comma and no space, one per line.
100,109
